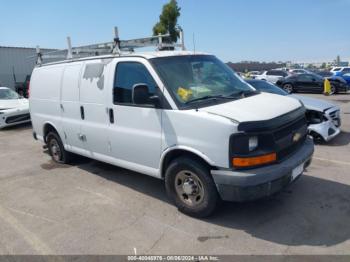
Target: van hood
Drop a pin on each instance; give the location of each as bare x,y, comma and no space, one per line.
263,106
13,103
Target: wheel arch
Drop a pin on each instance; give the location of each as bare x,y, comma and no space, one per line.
49,127
171,153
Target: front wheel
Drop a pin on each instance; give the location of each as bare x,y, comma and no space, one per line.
190,185
56,149
288,88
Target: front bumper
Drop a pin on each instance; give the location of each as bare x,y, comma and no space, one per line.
14,116
247,185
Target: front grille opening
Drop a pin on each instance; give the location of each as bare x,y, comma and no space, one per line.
287,129
17,118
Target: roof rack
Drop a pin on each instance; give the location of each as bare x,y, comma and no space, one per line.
116,47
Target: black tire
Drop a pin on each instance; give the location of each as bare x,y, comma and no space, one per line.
207,198
318,139
333,89
56,149
288,87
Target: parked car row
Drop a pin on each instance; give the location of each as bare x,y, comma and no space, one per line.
301,80
311,83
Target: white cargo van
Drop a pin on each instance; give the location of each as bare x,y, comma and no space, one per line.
179,116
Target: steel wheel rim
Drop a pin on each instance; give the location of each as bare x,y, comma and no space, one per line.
288,88
332,90
189,188
55,150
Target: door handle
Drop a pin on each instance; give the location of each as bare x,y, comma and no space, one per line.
111,116
82,113
82,137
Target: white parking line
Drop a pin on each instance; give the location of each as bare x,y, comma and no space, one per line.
332,161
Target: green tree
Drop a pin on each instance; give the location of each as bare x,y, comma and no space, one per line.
310,66
168,20
324,66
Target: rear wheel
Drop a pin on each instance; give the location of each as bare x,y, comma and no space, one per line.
190,185
333,89
56,149
288,88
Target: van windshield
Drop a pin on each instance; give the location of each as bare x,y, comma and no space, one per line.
194,79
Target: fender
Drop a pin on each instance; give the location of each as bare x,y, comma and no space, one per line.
184,148
53,125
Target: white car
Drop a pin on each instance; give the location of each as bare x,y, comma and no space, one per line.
272,76
180,116
299,71
13,108
323,117
253,74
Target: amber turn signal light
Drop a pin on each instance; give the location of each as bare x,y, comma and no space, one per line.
254,161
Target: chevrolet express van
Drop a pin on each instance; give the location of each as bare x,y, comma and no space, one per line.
179,116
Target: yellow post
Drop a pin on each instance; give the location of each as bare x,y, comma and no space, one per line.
327,87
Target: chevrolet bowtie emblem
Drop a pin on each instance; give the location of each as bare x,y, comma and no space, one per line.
296,137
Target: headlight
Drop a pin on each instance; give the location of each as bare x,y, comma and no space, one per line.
314,117
253,143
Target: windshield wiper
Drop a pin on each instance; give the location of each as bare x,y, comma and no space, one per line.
235,95
208,97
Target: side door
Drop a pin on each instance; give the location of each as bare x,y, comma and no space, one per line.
70,107
314,83
93,109
269,76
304,83
134,130
272,76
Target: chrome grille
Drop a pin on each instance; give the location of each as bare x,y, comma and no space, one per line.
335,117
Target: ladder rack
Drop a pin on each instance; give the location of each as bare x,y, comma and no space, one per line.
116,47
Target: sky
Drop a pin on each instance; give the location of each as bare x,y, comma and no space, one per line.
234,30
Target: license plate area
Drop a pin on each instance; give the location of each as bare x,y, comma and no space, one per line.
297,171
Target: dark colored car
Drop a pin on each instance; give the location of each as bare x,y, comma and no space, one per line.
324,73
22,88
311,83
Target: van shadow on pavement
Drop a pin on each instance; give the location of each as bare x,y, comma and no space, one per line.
312,211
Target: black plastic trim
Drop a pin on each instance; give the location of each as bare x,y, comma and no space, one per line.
258,126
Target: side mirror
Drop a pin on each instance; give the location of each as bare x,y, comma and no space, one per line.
141,96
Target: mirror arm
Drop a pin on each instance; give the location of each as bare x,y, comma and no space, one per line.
155,100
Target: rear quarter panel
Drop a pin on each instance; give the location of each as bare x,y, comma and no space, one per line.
44,101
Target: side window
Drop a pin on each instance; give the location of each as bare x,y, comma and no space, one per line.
305,78
127,75
346,70
270,73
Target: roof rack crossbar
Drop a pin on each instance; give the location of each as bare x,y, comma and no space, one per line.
117,46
